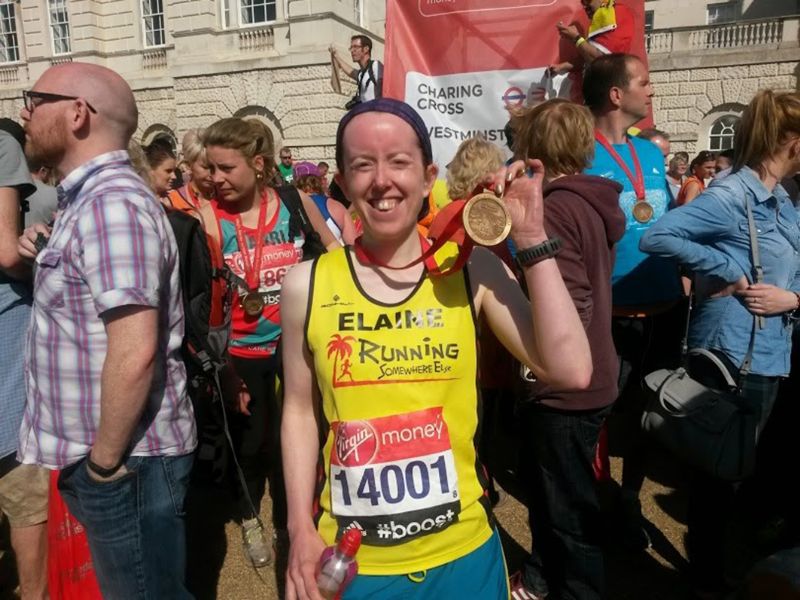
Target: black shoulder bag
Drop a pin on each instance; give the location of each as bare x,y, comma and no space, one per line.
710,429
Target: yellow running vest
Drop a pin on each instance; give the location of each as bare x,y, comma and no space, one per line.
399,396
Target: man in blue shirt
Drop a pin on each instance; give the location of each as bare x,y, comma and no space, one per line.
23,488
646,290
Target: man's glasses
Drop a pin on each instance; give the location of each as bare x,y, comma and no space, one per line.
33,99
286,157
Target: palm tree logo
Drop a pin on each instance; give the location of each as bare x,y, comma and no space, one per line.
342,348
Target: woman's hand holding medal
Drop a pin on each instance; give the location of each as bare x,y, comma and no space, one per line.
523,200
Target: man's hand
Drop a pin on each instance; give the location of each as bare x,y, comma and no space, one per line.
560,68
568,32
26,244
121,472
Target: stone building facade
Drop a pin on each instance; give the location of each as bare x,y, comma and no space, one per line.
191,62
708,59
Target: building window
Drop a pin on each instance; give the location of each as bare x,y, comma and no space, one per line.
722,132
722,12
59,26
254,12
9,45
358,8
153,23
648,21
226,13
250,12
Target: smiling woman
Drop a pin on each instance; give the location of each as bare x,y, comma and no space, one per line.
421,504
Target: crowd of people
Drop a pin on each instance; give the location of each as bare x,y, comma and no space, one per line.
356,367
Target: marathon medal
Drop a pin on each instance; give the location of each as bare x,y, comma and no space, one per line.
642,211
253,304
486,219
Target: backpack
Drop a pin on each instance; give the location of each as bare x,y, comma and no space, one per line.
207,298
299,223
372,78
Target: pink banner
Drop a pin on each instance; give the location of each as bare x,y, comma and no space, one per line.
462,63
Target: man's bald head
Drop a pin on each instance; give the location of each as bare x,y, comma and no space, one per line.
107,92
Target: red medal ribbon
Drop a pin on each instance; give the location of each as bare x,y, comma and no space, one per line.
447,225
251,269
192,197
638,181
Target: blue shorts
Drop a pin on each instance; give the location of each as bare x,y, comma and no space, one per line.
480,574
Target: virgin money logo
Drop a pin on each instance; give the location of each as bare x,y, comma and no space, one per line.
356,443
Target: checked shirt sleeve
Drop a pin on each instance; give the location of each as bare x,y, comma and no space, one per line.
121,252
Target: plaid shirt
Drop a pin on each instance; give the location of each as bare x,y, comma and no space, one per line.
111,246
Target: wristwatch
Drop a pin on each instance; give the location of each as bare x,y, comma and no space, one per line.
547,249
102,471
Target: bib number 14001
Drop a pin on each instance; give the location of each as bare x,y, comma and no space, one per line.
411,484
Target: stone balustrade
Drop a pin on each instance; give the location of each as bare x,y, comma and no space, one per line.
154,59
256,38
727,36
9,74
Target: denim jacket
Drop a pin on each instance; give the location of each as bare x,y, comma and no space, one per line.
710,236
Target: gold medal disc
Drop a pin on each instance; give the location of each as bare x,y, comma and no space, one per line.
486,219
642,211
253,304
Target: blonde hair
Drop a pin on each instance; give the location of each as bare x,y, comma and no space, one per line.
474,160
139,161
766,123
557,132
192,146
249,136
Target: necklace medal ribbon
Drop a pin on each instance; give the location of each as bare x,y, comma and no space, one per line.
482,220
642,209
192,196
252,302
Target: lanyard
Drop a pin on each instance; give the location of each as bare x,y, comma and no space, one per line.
192,197
638,181
450,230
251,268
365,257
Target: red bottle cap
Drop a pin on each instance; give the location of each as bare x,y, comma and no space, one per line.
350,542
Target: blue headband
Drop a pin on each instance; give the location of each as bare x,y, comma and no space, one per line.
393,107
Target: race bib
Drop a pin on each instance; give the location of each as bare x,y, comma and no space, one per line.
394,477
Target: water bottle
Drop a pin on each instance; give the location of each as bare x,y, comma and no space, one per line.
336,565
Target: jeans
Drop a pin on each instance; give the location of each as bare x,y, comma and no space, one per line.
711,500
564,512
135,525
